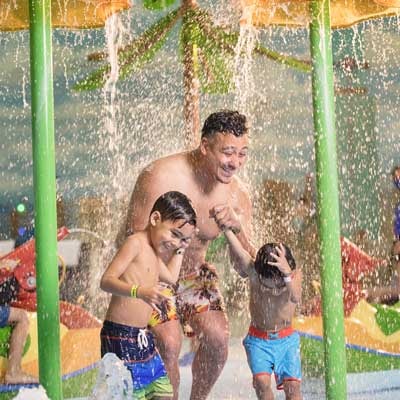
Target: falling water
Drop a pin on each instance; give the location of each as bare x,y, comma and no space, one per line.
244,80
105,138
112,143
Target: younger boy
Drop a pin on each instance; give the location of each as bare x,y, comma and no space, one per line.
146,257
271,344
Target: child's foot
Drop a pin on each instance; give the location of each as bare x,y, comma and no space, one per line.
19,377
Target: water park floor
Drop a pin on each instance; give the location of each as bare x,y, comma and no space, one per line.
235,382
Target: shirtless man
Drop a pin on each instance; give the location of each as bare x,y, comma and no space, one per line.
207,176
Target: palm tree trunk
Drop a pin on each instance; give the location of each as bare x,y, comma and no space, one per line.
191,107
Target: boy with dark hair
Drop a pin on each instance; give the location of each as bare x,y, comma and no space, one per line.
272,346
146,257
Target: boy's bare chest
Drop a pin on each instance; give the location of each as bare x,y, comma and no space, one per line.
146,270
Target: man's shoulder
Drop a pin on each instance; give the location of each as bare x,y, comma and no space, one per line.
165,165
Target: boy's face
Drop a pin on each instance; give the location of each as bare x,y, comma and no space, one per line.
272,284
168,236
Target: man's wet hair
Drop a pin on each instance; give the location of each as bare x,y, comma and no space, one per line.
262,264
173,206
225,121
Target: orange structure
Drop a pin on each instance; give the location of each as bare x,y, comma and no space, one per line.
294,13
72,14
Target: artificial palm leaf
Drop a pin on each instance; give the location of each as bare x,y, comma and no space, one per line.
157,4
135,54
228,40
212,67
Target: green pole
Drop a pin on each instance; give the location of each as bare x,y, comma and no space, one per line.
45,198
328,200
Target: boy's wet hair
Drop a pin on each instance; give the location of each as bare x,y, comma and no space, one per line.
225,121
174,206
263,259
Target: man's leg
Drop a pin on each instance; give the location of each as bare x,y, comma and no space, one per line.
14,374
211,328
169,341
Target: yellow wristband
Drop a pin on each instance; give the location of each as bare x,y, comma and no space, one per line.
134,290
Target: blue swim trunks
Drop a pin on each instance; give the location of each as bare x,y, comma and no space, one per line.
4,315
136,347
278,355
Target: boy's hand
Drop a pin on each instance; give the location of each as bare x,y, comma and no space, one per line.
281,262
226,218
152,295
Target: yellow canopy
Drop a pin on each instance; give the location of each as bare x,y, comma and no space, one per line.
14,14
296,12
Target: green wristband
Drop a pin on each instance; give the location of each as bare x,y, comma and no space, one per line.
134,290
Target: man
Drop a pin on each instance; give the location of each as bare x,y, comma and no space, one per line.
207,176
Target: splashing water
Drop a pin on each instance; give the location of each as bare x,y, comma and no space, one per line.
114,381
244,82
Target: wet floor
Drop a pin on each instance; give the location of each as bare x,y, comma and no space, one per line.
235,382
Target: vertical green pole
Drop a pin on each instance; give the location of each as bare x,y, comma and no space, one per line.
45,198
328,200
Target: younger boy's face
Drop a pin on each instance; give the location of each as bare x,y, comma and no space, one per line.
271,283
169,236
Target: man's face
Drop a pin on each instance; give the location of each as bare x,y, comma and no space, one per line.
226,153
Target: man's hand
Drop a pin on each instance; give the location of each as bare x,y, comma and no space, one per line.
281,262
152,295
226,218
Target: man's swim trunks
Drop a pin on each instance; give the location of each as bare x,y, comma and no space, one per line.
136,348
277,352
4,315
194,293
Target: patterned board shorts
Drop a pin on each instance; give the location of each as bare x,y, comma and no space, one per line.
137,349
4,315
193,294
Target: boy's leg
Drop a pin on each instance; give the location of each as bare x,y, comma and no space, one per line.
261,362
169,341
292,390
14,374
288,368
262,386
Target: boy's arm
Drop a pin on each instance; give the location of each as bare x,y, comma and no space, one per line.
241,259
294,286
238,218
170,273
292,278
110,281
